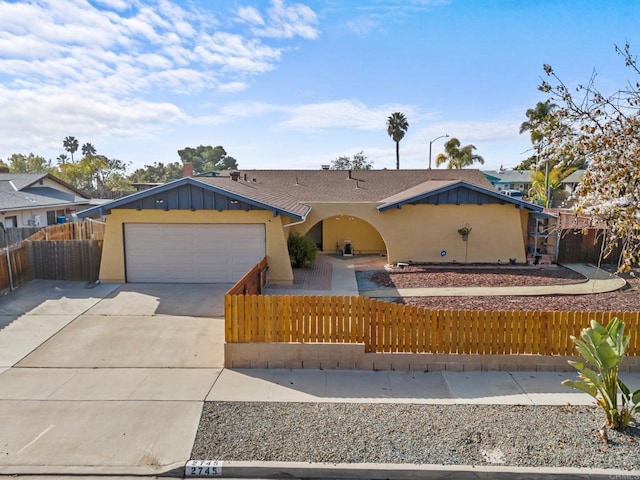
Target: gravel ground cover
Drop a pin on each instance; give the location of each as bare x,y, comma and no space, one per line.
419,276
627,299
534,436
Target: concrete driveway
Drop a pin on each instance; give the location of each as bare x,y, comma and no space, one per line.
107,379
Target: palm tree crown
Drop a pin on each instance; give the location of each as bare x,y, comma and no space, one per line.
458,157
535,117
70,144
88,149
397,125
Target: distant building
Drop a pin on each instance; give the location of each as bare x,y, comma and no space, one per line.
509,179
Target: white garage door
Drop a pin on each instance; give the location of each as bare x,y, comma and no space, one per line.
192,253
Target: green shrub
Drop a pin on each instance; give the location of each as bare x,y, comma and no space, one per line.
302,251
603,348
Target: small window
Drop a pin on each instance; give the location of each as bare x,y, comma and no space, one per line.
11,222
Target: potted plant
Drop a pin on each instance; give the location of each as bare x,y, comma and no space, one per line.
464,232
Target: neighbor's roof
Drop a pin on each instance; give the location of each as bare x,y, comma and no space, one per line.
22,191
35,197
575,177
510,176
21,180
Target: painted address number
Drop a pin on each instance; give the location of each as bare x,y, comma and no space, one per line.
203,468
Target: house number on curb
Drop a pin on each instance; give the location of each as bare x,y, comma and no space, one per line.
203,468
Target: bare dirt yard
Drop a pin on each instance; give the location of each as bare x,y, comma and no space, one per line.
627,299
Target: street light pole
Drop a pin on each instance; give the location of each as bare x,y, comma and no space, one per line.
431,143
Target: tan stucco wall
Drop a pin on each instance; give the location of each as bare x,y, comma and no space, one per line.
418,233
112,267
421,232
364,238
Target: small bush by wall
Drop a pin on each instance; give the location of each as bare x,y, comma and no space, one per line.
302,251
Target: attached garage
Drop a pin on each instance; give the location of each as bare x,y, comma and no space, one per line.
191,253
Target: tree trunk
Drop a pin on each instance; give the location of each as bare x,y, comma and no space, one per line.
397,155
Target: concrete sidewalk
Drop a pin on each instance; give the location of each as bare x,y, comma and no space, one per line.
349,386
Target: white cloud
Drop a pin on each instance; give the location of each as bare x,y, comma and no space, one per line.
115,4
282,20
312,117
232,87
341,114
52,113
250,15
470,132
365,24
89,67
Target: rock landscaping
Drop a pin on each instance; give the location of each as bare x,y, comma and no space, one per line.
540,436
627,299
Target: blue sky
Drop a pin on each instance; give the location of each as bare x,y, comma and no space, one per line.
294,84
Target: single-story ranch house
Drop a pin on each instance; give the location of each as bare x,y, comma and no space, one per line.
215,226
37,200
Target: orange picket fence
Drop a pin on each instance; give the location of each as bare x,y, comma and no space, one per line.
390,327
253,281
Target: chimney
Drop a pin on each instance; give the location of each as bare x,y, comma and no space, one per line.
187,169
235,176
246,177
349,174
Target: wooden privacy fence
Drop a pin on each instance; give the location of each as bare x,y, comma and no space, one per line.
77,260
14,266
389,327
11,235
69,251
87,230
253,281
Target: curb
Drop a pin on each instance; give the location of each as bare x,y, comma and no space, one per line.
330,471
375,471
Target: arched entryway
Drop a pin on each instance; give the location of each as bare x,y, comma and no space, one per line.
331,233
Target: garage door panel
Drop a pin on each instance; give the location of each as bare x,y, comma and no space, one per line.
220,253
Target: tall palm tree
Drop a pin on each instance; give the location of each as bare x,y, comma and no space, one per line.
535,118
458,157
397,126
88,150
70,144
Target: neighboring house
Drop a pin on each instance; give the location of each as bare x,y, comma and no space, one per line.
510,180
37,200
570,182
213,229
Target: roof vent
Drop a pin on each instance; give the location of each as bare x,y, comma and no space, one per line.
325,167
235,176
